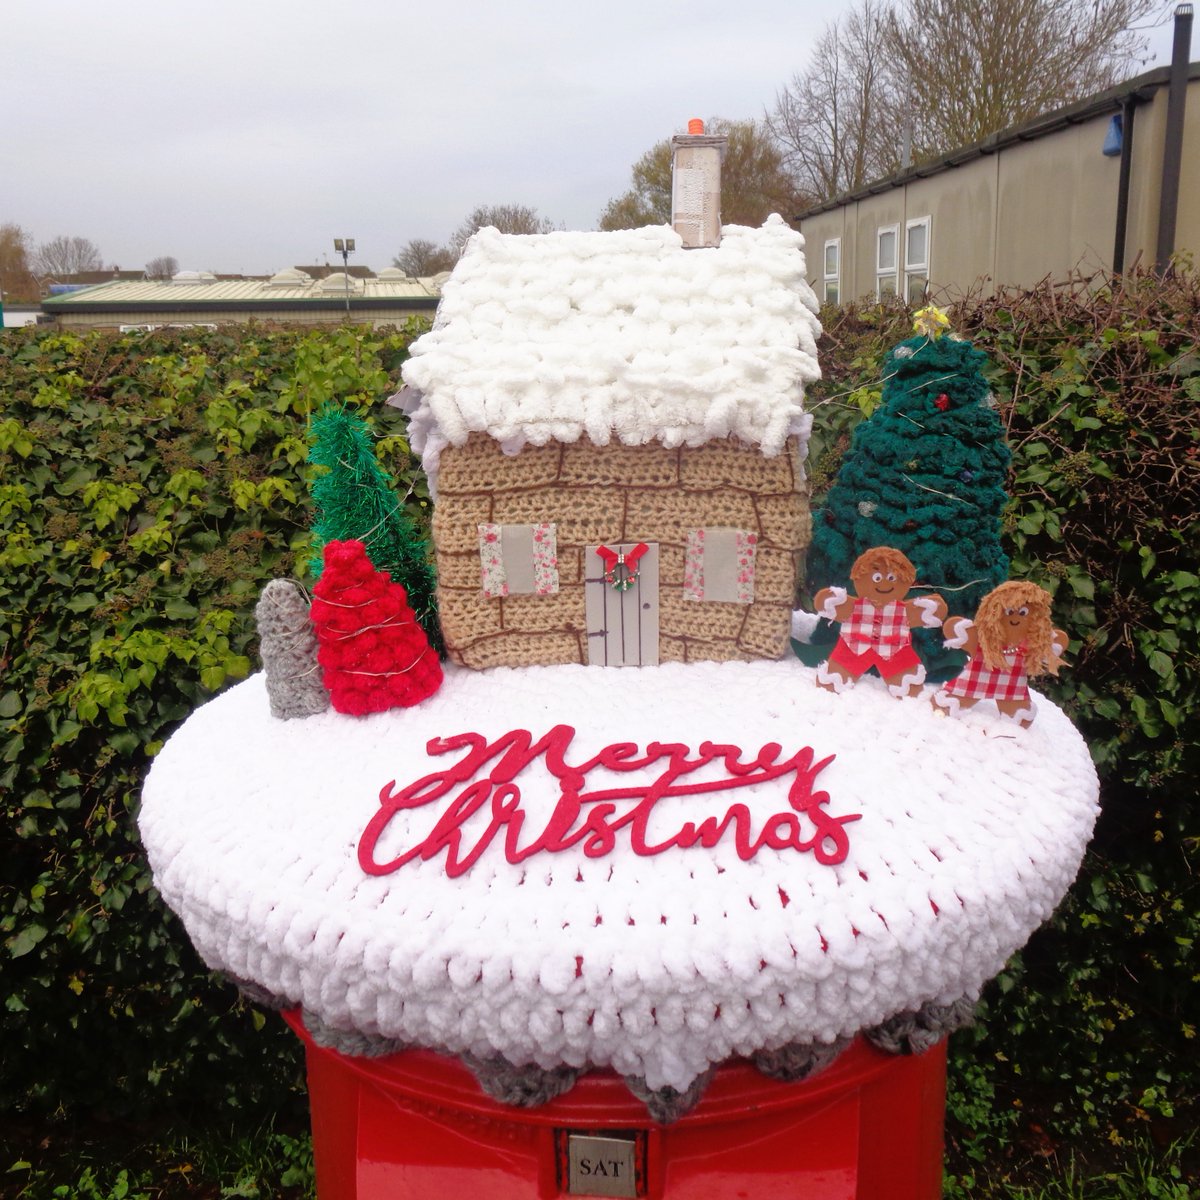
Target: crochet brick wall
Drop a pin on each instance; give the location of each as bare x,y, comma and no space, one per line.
606,495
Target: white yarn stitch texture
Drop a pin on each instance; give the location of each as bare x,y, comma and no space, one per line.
971,832
621,336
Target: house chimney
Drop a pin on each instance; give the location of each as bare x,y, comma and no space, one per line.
696,186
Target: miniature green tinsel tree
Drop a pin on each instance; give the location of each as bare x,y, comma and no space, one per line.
355,501
925,474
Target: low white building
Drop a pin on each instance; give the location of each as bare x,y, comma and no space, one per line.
291,297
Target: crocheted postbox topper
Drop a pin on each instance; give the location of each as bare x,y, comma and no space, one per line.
613,427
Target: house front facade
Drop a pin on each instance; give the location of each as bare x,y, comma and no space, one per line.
613,428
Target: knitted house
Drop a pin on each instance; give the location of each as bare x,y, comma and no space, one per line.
613,430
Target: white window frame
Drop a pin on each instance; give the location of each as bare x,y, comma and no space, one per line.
834,277
893,272
914,270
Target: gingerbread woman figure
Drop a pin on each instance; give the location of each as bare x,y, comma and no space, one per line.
877,623
1011,639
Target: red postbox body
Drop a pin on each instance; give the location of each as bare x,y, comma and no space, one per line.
416,1125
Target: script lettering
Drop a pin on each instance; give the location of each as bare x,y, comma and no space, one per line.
483,782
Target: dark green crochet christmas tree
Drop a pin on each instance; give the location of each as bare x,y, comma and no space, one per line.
355,501
926,474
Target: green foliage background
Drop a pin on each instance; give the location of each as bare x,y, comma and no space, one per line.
149,485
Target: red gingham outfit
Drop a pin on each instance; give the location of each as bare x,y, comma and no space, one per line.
978,681
876,637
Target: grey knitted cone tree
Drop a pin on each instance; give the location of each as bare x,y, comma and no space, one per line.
925,474
288,648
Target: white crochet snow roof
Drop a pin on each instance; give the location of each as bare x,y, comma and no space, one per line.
971,830
618,336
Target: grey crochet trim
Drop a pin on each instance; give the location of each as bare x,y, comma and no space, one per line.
525,1086
288,648
348,1041
257,994
798,1060
916,1032
665,1104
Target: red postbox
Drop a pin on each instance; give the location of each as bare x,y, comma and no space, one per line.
416,1125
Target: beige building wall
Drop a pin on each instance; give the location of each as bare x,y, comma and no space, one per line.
1150,127
608,495
817,232
1187,230
962,222
879,212
1057,205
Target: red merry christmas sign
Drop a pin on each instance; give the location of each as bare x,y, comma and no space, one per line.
484,780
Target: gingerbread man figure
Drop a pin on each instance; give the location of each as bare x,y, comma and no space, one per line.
1010,639
877,623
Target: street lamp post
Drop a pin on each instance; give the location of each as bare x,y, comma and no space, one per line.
345,247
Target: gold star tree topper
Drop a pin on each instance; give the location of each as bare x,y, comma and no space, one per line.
931,322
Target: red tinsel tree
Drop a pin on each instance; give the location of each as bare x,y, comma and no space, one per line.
373,653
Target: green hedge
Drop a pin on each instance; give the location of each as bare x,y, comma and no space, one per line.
152,483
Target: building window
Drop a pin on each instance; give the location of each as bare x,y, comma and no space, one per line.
718,564
833,268
518,560
887,238
916,260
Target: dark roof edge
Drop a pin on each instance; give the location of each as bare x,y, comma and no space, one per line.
65,305
1141,87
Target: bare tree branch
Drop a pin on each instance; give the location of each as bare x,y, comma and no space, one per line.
67,256
421,257
508,218
16,279
838,122
163,267
973,70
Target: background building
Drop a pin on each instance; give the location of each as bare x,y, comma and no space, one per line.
1082,188
290,296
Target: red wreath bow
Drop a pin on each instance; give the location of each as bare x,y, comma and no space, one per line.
614,559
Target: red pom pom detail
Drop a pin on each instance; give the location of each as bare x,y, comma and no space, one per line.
372,652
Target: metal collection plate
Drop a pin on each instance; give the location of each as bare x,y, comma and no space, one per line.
601,1166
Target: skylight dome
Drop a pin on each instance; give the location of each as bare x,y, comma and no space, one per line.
290,277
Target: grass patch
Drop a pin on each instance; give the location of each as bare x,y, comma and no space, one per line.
106,1161
1140,1172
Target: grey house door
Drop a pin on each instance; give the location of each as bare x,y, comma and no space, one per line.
622,626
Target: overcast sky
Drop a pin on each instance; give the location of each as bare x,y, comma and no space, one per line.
244,135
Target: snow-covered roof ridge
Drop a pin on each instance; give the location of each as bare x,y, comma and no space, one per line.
621,336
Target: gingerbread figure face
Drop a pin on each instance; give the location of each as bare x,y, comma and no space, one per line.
1017,613
882,575
1015,622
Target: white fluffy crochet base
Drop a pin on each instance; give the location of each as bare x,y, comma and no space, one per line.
971,831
